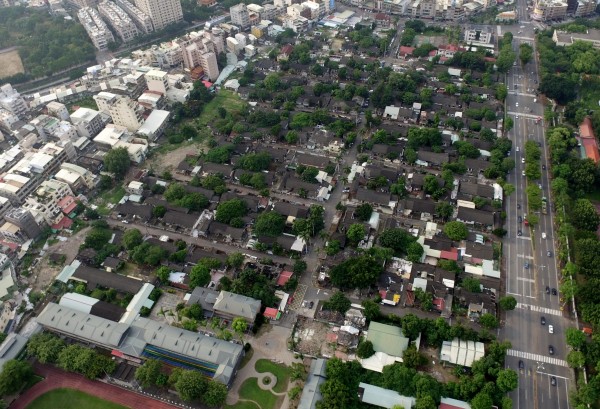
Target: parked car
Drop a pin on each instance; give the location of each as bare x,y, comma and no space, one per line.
554,292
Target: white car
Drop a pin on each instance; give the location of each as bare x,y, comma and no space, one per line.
543,235
518,149
551,329
522,173
522,160
517,104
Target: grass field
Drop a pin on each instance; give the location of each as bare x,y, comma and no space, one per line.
10,64
226,99
251,391
71,399
243,405
281,372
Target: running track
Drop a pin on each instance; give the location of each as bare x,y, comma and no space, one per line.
55,378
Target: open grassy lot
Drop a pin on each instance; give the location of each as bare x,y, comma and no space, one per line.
71,399
243,405
226,99
10,64
281,372
251,391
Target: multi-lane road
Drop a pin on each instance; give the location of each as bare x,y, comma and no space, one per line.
531,270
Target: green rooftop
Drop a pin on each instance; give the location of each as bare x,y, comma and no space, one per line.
387,338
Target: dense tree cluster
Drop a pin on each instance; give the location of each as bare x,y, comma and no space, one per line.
402,243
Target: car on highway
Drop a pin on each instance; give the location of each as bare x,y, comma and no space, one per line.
520,219
543,320
543,167
554,292
551,329
549,254
553,380
517,104
518,205
550,349
526,265
547,290
519,233
521,365
523,173
543,235
522,160
517,149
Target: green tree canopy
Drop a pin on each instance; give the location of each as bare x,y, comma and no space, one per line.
15,374
117,162
231,209
575,338
148,373
365,350
363,212
356,232
508,303
132,238
45,347
191,385
338,302
456,230
584,215
269,224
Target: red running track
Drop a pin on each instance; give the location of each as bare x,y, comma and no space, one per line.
55,379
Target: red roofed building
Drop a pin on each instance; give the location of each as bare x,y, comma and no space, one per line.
284,277
383,19
589,143
67,204
285,52
449,50
405,51
271,313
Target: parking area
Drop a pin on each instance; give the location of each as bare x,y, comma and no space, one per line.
165,308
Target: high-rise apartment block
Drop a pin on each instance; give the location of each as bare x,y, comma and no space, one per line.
208,61
12,101
123,110
26,226
240,15
44,200
97,30
545,10
161,12
141,19
118,20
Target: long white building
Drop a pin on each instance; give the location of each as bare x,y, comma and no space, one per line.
118,20
142,20
161,12
97,29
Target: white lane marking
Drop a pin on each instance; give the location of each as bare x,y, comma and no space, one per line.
531,280
537,358
543,310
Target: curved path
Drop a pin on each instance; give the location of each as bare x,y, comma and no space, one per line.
55,379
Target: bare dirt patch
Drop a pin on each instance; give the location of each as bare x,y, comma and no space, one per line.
46,271
310,338
10,63
170,160
435,367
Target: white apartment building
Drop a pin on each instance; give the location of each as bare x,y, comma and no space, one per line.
157,81
7,119
208,61
12,101
240,15
58,110
118,20
16,188
563,39
114,136
75,176
66,131
88,121
45,200
545,10
5,206
95,27
123,110
233,46
141,19
585,8
161,12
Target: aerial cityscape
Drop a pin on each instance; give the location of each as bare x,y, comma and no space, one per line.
297,204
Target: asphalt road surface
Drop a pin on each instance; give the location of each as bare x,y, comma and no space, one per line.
530,270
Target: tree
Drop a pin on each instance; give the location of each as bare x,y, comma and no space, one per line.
575,338
488,321
45,347
365,350
199,276
159,211
132,238
471,284
240,326
235,260
411,326
444,210
525,53
148,373
482,401
269,224
117,161
371,310
576,359
231,209
412,358
162,273
338,302
191,385
332,247
584,215
363,212
508,303
456,230
15,374
356,232
299,267
507,380
215,394
425,402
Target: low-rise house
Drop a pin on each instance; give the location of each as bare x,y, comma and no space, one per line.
229,306
380,200
311,394
389,344
431,159
384,398
226,232
461,353
476,217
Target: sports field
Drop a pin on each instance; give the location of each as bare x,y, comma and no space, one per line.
71,399
10,63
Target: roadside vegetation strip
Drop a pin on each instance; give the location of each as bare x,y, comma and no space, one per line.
71,399
281,372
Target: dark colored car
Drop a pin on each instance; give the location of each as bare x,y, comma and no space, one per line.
521,365
553,381
547,290
554,292
550,349
518,205
526,265
549,254
520,219
311,304
543,320
519,233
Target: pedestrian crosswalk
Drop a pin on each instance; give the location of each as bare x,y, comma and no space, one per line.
537,358
543,310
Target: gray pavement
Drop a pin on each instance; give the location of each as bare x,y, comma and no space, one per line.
530,339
